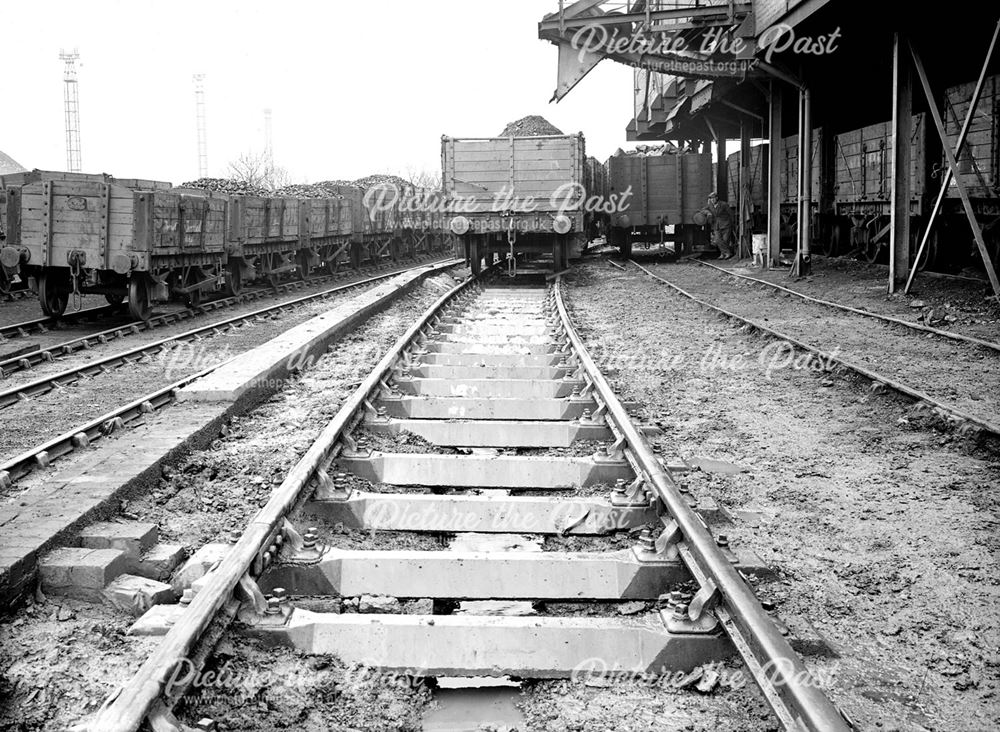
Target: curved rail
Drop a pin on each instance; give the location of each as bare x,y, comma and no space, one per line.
93,368
788,686
126,709
858,311
916,394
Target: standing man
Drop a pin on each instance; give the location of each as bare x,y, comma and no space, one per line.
721,220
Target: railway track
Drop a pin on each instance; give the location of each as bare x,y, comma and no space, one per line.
518,433
92,368
856,311
49,329
902,360
84,435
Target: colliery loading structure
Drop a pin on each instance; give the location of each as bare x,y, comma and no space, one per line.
830,77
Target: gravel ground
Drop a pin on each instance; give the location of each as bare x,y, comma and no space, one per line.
24,307
952,372
884,530
90,398
63,650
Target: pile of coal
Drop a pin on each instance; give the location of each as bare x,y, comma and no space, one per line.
530,126
323,189
378,179
227,185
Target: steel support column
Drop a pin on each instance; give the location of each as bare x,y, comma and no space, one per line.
803,260
902,114
774,176
722,171
744,199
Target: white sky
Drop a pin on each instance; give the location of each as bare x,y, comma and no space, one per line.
355,88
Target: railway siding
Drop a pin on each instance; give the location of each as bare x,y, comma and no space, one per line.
66,499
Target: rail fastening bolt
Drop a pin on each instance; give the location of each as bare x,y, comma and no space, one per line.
273,606
187,596
646,541
309,539
680,611
722,541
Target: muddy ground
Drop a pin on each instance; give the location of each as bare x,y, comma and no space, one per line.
884,529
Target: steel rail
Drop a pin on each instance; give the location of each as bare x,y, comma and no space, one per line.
103,426
888,318
48,322
127,708
93,368
915,394
84,435
27,360
790,689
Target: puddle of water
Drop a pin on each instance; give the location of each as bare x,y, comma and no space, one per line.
468,709
472,542
717,466
495,607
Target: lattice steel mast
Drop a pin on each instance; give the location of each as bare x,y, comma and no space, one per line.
199,107
71,96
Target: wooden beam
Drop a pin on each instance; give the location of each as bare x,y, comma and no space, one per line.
946,178
953,165
900,131
774,176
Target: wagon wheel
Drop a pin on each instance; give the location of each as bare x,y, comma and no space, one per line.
138,298
234,279
625,247
870,250
192,298
558,255
831,244
302,265
52,294
928,257
475,258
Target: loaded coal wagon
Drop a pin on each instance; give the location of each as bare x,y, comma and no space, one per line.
979,171
79,234
862,189
659,190
512,195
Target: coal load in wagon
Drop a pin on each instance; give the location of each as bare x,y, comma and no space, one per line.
530,126
227,185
